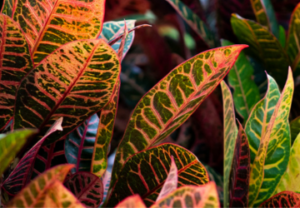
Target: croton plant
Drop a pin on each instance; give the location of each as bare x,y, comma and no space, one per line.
60,82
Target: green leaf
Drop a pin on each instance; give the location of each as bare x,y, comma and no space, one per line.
75,82
274,150
13,47
295,128
263,45
11,144
194,22
191,196
171,101
145,173
246,93
285,199
282,36
230,136
131,201
49,24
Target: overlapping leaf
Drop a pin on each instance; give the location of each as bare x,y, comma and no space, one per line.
86,187
15,63
274,150
49,24
170,103
230,136
131,201
32,194
106,181
295,128
191,196
75,81
284,199
145,173
194,22
246,93
263,45
240,172
80,143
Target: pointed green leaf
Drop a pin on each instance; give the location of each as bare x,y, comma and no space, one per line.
246,93
11,144
274,150
295,129
230,136
282,36
285,199
131,201
194,22
191,196
171,102
263,45
75,82
15,63
145,173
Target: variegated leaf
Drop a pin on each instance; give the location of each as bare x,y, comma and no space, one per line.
285,199
106,181
145,173
268,168
75,81
131,201
170,102
123,42
86,187
49,24
15,63
295,128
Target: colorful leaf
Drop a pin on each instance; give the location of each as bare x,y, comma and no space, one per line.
75,82
131,201
246,93
11,144
263,45
171,181
191,196
106,181
15,63
170,102
240,171
86,187
230,136
284,199
295,128
274,150
23,172
31,195
80,143
146,172
104,134
50,24
194,22
123,42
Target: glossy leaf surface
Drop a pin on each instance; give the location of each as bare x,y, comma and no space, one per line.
31,195
268,168
230,136
284,199
74,82
80,143
194,22
264,46
15,63
86,187
191,196
170,102
145,173
240,172
246,92
11,144
49,24
131,201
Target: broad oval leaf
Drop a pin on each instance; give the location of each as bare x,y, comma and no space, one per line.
131,201
15,63
246,92
31,195
171,102
11,144
240,171
285,199
274,150
263,45
191,196
75,81
230,136
80,143
86,187
49,24
145,173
